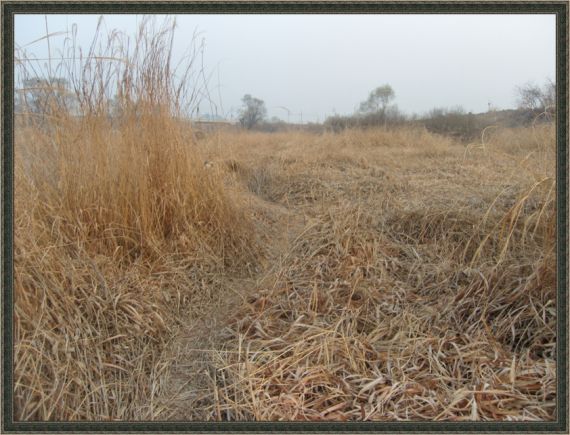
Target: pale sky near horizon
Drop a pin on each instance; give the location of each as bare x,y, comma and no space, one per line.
318,65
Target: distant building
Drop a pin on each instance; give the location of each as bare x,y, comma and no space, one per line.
212,125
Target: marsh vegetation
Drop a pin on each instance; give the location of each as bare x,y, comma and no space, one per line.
386,273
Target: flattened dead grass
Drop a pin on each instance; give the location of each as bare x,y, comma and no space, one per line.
398,305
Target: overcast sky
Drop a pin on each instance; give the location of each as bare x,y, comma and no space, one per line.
322,64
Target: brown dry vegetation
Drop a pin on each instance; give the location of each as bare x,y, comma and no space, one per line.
116,233
419,283
119,232
366,275
384,275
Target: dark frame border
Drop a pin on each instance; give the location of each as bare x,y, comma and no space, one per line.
559,8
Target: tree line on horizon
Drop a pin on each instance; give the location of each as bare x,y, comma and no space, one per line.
377,110
43,96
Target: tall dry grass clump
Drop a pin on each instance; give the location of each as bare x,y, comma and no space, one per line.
116,224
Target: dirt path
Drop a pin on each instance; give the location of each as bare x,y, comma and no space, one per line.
191,374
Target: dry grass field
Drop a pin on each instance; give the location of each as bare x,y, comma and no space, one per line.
381,274
367,275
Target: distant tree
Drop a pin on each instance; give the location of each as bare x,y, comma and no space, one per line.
549,90
253,111
378,101
532,97
45,96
